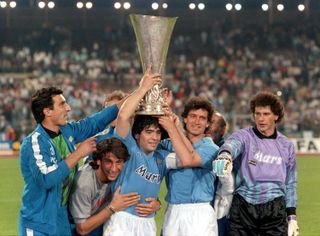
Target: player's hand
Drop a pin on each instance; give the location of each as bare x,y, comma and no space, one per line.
222,165
167,122
168,96
122,201
293,229
86,147
149,79
175,119
146,209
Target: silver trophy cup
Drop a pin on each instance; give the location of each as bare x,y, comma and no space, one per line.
153,35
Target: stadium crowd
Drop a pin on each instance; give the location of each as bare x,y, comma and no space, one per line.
226,64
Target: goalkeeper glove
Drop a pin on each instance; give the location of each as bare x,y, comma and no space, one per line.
225,185
222,205
224,195
222,165
293,229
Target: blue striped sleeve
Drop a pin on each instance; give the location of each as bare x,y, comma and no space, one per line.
291,180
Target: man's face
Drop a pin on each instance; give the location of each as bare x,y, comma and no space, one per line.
215,130
110,167
59,114
196,122
265,120
149,138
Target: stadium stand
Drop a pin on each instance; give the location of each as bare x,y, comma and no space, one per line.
223,62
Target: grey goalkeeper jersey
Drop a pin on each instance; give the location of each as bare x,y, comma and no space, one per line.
89,195
265,167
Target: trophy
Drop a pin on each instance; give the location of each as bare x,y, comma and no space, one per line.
153,36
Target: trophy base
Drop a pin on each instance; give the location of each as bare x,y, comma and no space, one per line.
150,113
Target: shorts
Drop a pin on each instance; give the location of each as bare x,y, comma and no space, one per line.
123,224
189,220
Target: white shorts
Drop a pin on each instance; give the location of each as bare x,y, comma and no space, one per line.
190,220
125,224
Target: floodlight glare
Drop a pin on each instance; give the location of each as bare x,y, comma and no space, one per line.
41,4
164,5
155,6
201,6
51,4
264,7
238,6
279,93
229,6
126,5
301,7
89,5
13,4
117,5
3,4
79,5
280,7
192,6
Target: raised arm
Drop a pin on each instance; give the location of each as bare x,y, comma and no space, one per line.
182,146
129,106
230,150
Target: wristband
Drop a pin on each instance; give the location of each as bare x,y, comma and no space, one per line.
111,209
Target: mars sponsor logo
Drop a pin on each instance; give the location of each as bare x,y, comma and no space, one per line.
261,157
149,176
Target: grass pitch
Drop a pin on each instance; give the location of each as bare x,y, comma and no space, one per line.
11,185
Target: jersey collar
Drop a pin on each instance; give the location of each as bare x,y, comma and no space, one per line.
261,136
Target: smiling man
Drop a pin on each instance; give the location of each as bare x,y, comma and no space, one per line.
146,168
264,163
48,161
190,189
88,204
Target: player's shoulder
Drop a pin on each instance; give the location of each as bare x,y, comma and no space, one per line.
284,140
85,176
85,172
69,127
36,137
208,144
242,133
161,153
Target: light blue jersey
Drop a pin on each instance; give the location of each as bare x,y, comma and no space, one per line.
141,173
192,185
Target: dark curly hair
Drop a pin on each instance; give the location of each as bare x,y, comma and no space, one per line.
142,121
196,103
263,99
113,145
42,99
